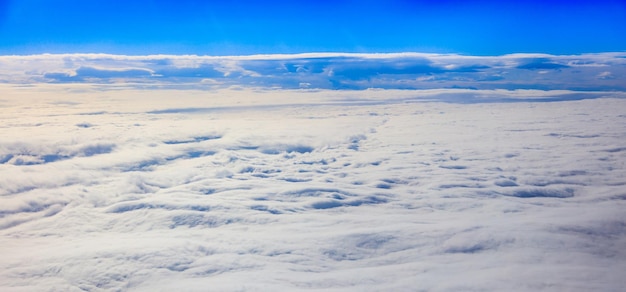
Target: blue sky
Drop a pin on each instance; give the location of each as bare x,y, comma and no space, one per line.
251,27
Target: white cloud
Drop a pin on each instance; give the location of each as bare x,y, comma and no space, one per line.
247,173
256,188
606,75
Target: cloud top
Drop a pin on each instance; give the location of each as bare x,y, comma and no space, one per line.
327,70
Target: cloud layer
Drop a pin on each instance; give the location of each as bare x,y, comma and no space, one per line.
114,187
590,72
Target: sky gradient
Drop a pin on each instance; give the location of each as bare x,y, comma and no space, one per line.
250,27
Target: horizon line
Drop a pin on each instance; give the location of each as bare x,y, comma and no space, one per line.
314,54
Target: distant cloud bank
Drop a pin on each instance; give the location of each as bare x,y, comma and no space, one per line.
589,72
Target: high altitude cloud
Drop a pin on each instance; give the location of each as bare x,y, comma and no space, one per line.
329,71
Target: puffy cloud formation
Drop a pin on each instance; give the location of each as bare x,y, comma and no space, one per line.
328,71
289,189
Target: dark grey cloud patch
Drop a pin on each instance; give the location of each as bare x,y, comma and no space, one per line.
356,69
540,64
61,77
98,75
202,71
343,72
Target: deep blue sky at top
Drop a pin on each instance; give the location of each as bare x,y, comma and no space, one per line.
250,27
